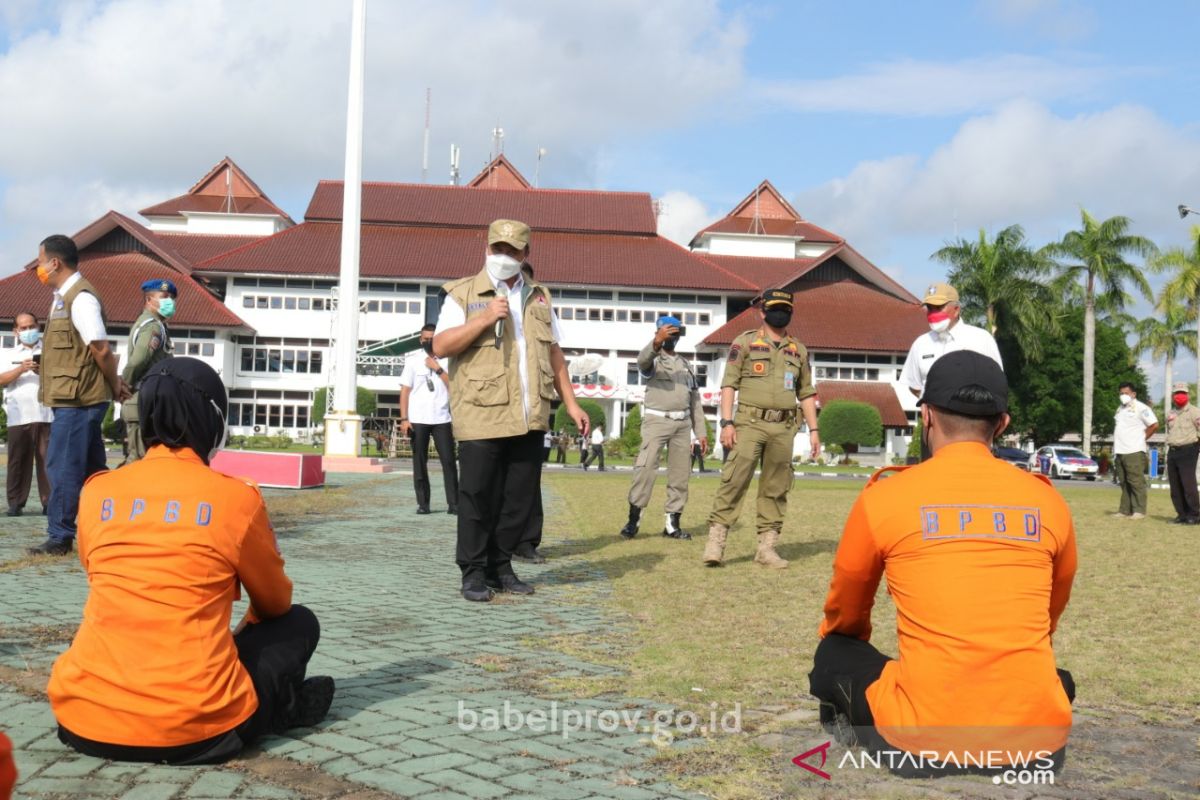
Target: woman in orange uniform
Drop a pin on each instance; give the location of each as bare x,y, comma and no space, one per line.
155,673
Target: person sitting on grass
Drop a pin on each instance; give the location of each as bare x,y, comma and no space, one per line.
979,559
154,672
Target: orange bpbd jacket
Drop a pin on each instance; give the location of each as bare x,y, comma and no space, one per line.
8,770
979,558
165,542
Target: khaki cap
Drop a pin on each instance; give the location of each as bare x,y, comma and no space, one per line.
1181,387
509,231
939,294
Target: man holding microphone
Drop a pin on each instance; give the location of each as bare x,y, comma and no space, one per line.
28,420
501,335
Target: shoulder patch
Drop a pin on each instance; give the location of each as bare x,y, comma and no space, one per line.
884,473
734,351
155,342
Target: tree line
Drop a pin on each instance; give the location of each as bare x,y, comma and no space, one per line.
1060,317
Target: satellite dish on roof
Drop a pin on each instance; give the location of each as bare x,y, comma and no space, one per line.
586,364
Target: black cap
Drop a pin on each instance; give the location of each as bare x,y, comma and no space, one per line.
960,369
775,296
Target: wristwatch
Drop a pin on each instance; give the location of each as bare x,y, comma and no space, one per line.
439,371
726,423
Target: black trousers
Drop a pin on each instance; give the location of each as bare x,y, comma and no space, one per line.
276,653
844,667
697,455
597,453
561,458
443,440
498,490
1181,473
532,538
26,446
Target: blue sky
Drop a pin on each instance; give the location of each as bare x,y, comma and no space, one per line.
893,124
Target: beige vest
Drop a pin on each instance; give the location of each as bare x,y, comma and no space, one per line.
485,380
70,376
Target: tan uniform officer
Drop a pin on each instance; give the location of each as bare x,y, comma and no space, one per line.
672,412
1183,437
768,369
149,343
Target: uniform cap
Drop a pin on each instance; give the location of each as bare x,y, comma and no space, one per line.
509,231
958,370
668,320
1180,387
773,297
160,285
939,294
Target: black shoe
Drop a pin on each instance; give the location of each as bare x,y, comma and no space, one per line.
672,529
476,592
530,556
1178,521
13,511
423,510
602,469
312,702
509,583
1192,522
45,511
452,510
631,527
51,547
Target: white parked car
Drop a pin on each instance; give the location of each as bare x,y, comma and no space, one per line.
1060,461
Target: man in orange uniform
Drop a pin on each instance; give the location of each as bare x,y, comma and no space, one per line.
979,559
8,770
154,673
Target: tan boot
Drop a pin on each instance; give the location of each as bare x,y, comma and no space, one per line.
715,548
766,554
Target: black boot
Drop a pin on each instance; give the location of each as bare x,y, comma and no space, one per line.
672,528
631,527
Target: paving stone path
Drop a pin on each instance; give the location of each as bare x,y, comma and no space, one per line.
407,653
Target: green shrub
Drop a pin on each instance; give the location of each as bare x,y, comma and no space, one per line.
851,424
109,428
365,404
631,437
914,445
563,422
3,425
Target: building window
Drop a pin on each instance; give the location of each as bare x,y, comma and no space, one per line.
593,314
304,303
289,303
702,375
386,306
635,316
622,315
705,319
262,301
567,313
248,301
273,416
276,302
689,318
208,349
633,376
607,314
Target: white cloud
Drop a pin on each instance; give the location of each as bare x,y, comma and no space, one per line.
1063,20
681,216
148,94
1022,164
929,88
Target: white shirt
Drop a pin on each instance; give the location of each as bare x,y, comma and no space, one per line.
929,347
452,315
85,312
425,407
21,396
1129,427
598,436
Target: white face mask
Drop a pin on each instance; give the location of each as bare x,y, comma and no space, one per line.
1126,399
941,326
502,267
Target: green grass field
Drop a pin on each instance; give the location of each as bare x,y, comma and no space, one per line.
744,634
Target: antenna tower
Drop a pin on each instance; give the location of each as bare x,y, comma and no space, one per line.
425,144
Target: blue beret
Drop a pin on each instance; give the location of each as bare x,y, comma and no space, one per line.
664,321
160,285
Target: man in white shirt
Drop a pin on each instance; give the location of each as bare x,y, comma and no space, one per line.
597,449
28,420
425,415
79,380
947,333
1133,424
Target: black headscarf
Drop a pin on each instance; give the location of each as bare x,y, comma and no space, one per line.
182,403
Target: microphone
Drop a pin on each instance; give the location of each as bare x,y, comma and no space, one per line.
501,291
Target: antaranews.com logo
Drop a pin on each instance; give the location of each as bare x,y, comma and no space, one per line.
1021,768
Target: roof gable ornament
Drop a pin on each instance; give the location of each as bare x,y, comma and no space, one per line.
499,174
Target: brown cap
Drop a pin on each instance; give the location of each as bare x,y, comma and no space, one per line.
939,294
509,231
1181,387
773,297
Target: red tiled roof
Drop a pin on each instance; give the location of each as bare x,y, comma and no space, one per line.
476,207
881,395
771,227
388,251
840,316
197,247
118,278
765,202
213,205
210,194
500,174
765,273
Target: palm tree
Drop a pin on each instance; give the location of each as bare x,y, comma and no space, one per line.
1096,253
1003,284
1163,337
1184,284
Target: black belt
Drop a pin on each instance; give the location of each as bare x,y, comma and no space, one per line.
771,414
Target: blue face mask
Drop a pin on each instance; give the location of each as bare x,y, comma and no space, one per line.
30,337
166,307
